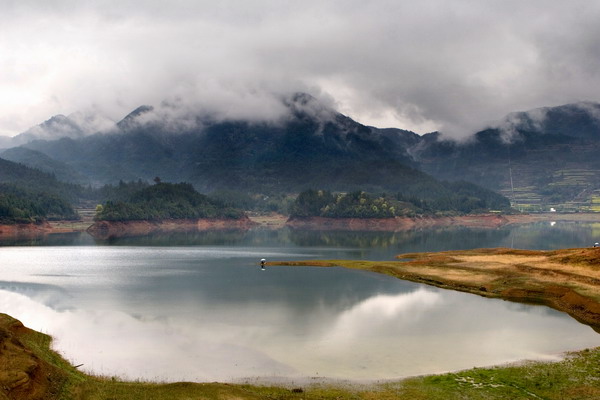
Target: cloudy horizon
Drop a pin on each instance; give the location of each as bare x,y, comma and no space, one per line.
449,66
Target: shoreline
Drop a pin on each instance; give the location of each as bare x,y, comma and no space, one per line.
397,224
276,221
30,369
566,280
118,229
35,371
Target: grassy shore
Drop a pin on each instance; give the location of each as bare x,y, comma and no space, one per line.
30,370
568,280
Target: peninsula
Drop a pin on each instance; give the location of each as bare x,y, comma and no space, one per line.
567,280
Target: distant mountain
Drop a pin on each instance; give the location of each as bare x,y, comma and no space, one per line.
33,180
311,146
541,159
579,120
18,205
42,162
76,125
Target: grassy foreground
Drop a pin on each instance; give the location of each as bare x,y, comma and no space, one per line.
30,370
568,280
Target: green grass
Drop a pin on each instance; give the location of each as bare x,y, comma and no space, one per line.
66,377
575,377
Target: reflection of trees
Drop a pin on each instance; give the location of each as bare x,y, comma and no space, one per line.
453,238
562,235
55,239
406,241
343,238
221,238
532,236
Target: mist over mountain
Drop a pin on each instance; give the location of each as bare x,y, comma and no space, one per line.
537,158
40,161
310,145
76,125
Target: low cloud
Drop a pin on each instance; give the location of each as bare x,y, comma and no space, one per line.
432,65
110,342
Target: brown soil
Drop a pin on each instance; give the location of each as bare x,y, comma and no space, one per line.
269,221
23,375
567,280
25,230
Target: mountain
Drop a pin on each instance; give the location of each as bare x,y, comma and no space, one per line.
40,161
76,125
579,120
541,159
18,205
310,146
33,180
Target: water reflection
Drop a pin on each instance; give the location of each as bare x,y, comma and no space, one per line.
197,306
382,336
532,236
209,313
55,239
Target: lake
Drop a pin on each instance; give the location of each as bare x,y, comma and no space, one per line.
198,307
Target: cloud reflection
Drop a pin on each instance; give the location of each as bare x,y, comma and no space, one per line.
423,331
383,313
114,343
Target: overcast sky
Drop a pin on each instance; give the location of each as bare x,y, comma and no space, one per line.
424,65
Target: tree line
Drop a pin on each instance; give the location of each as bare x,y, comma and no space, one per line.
459,198
166,201
19,205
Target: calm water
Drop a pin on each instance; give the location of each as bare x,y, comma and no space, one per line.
198,307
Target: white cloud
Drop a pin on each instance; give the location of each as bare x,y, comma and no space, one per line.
453,66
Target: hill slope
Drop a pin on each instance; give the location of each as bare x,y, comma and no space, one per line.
310,146
540,159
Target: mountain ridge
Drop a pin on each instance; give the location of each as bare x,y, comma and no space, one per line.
314,146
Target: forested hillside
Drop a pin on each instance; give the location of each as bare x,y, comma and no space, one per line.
539,159
18,205
459,198
166,201
312,146
260,162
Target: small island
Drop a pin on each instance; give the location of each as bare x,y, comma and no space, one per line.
165,207
457,203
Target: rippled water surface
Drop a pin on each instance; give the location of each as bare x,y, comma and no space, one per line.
198,307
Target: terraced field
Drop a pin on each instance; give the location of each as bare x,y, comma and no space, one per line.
568,189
